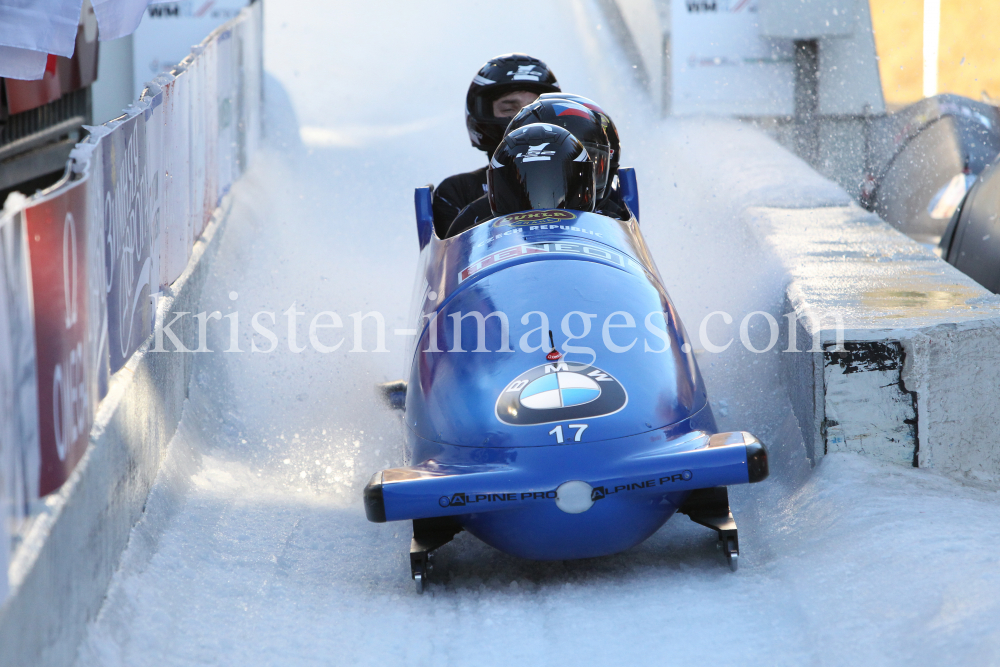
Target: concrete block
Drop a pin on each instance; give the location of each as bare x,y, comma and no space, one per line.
867,407
930,400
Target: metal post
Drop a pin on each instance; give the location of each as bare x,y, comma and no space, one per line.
807,99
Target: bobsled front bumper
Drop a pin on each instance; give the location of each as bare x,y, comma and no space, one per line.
540,477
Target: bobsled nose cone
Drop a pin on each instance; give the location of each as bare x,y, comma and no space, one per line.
757,469
756,453
374,500
574,497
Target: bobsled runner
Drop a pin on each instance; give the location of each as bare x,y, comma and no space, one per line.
554,408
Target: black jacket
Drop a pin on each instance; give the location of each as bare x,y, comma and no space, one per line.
476,212
611,207
455,193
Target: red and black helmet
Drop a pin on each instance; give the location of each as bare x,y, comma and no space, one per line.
540,166
582,123
501,75
609,125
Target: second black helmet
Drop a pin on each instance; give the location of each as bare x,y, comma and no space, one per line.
609,125
584,124
540,166
501,75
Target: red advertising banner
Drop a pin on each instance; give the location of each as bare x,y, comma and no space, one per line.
57,241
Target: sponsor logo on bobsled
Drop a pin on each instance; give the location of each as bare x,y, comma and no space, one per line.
600,492
557,392
534,218
541,248
462,499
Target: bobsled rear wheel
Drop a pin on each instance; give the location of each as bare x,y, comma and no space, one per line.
428,534
732,554
420,569
710,508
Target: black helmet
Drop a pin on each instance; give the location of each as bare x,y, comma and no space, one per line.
582,123
609,125
501,75
540,166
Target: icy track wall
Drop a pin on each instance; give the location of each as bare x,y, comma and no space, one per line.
897,350
90,268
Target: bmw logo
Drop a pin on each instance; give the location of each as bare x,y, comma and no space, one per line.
557,392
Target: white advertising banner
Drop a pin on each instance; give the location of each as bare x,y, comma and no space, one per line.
209,75
719,63
252,76
88,164
196,149
152,110
20,458
226,105
176,217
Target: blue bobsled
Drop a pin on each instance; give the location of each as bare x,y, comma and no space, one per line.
554,408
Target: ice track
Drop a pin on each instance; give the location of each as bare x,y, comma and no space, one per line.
254,549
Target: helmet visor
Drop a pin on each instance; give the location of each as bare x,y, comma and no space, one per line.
538,185
601,157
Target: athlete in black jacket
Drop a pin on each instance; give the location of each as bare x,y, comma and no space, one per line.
502,86
452,196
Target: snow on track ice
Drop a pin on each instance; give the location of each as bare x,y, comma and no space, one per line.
254,548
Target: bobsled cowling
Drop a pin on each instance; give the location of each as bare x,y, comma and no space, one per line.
643,376
579,452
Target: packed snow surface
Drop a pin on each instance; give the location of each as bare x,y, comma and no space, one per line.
254,548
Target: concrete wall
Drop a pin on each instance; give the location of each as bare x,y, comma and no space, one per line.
935,403
61,571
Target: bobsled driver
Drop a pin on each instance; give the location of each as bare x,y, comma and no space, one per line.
584,124
540,166
502,86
